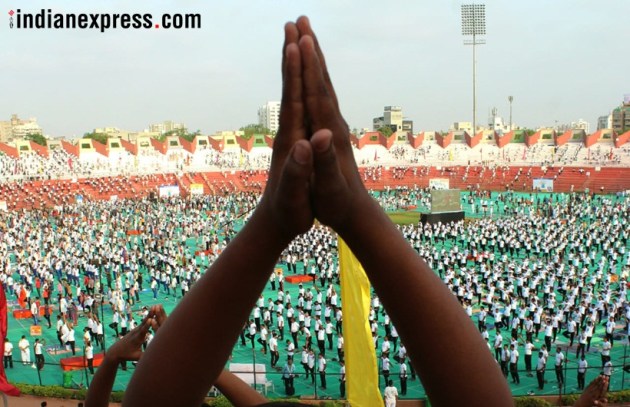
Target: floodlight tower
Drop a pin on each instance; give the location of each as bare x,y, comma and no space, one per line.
510,99
474,24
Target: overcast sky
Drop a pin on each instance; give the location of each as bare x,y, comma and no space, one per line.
561,60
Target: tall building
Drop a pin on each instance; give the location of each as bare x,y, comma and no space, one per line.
269,116
18,128
621,117
393,118
604,122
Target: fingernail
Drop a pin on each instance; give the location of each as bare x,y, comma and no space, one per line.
300,153
325,145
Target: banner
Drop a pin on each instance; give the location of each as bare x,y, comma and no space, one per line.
543,184
166,191
361,367
439,183
196,189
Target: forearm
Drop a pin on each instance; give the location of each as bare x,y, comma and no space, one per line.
207,321
101,387
237,391
441,339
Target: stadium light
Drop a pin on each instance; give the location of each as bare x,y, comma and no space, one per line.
474,24
510,99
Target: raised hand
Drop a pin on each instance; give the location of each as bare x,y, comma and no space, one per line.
157,316
130,346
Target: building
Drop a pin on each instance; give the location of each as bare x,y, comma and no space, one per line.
462,126
621,117
604,122
269,116
166,126
393,118
18,128
581,124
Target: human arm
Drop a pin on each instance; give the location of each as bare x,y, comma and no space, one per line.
202,322
440,337
237,391
127,348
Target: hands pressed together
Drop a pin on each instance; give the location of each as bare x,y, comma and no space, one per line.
313,173
129,347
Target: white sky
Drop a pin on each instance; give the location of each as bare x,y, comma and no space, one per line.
561,60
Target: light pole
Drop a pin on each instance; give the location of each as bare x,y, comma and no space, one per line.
474,24
510,99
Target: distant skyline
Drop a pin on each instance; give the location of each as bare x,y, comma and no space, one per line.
561,61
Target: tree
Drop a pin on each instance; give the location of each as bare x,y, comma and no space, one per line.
100,137
252,129
181,133
37,139
386,131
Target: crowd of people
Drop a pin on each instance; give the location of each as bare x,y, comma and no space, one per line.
558,264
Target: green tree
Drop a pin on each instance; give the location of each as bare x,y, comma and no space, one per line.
386,131
100,137
252,129
181,133
37,139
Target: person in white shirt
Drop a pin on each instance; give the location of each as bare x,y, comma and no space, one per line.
342,380
581,373
311,365
514,365
529,346
273,349
38,347
390,394
8,354
540,370
606,346
89,356
321,368
402,373
35,311
25,350
385,365
559,365
340,352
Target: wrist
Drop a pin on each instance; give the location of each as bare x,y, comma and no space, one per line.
364,215
274,236
111,359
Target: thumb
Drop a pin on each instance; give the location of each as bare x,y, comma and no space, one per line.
293,189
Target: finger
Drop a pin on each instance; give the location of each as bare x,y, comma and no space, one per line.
141,330
160,315
321,109
304,27
291,109
329,179
291,36
293,189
